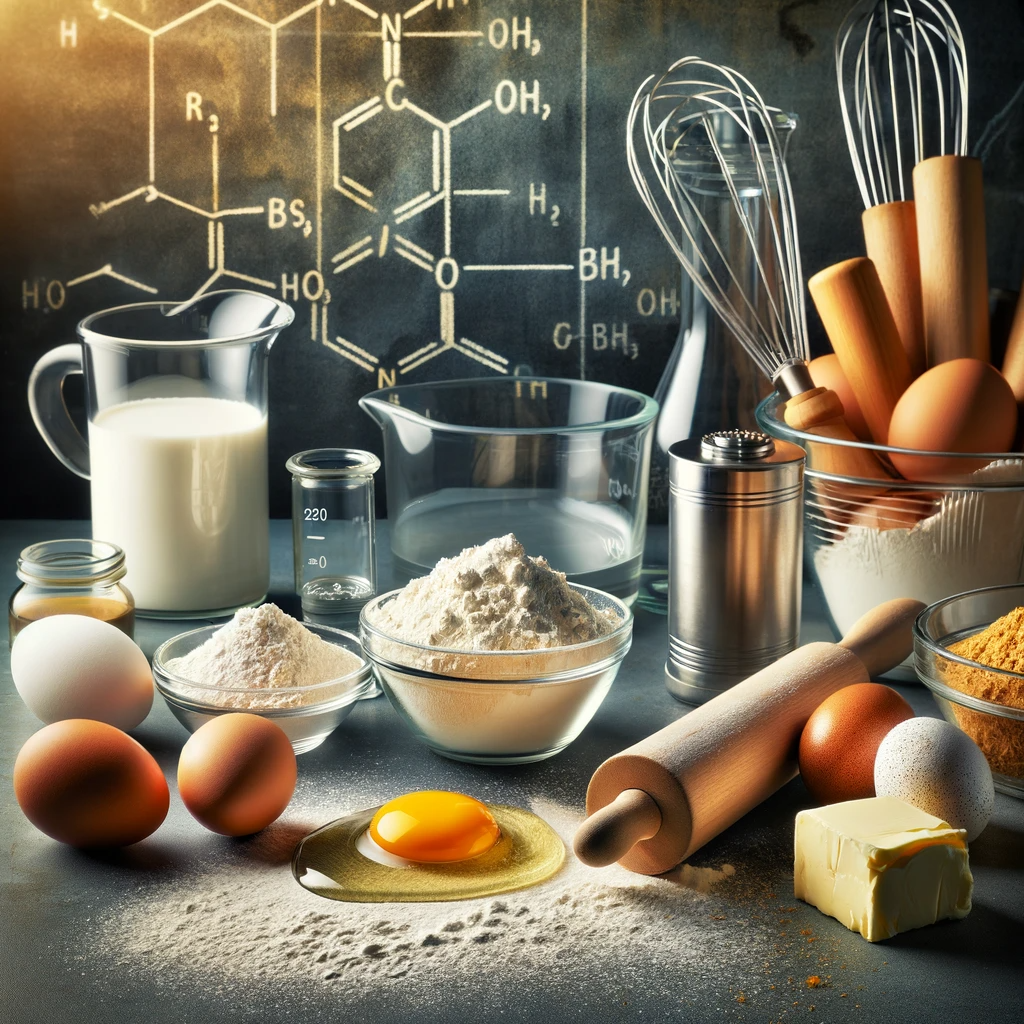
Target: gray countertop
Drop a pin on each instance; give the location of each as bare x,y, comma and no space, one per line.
107,936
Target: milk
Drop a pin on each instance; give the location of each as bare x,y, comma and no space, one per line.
181,485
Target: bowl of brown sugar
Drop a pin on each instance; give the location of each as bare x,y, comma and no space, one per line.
969,651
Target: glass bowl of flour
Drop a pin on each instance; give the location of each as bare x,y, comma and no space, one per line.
308,713
870,540
498,706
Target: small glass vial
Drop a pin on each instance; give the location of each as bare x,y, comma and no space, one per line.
333,531
71,577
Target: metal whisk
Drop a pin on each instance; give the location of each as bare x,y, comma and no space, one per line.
901,68
706,130
701,126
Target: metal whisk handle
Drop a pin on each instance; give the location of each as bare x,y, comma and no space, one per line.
792,379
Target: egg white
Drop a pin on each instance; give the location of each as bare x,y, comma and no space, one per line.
371,851
340,861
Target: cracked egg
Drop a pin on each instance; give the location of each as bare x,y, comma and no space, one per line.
426,847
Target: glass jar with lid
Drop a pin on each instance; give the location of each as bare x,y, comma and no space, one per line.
71,577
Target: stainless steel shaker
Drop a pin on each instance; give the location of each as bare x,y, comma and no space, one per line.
735,551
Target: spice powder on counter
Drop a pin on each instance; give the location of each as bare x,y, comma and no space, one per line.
1001,646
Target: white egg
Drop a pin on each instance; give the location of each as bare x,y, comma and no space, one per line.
934,766
74,666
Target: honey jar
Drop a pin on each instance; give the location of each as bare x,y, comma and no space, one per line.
71,577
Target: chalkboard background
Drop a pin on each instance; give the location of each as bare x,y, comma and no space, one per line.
152,148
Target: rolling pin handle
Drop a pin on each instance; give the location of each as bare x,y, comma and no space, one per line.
610,833
883,637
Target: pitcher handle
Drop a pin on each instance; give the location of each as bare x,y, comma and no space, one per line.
49,412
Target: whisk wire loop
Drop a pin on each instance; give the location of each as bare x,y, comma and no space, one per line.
717,114
898,63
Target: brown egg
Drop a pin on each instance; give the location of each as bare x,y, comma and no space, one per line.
237,773
88,784
963,405
827,373
842,736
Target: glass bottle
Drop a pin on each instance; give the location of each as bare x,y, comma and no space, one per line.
710,383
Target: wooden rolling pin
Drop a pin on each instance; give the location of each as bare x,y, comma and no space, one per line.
654,804
853,307
1013,361
950,208
890,240
820,411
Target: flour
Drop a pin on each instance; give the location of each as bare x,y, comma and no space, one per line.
269,653
241,923
503,620
974,539
493,597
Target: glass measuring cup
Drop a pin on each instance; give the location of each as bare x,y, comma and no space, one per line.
562,464
333,528
176,454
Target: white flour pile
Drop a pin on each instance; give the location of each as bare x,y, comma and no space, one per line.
506,618
493,597
239,924
268,653
975,539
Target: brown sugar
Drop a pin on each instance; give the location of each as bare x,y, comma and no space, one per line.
1001,646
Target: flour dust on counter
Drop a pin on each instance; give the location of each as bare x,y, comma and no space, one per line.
245,920
241,927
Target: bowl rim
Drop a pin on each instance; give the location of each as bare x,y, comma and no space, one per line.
647,410
968,700
765,414
624,628
923,640
568,675
166,679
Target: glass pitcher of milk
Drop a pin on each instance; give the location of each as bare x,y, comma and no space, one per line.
176,453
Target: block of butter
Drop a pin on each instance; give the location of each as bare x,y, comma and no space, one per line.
881,866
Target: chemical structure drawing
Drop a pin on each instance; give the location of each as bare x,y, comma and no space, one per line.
215,216
149,192
370,228
444,268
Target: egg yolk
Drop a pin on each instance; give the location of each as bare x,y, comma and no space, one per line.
433,826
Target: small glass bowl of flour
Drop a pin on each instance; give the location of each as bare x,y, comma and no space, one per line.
494,658
306,678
